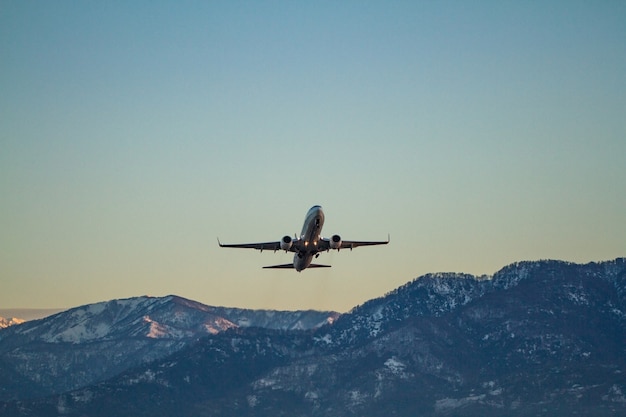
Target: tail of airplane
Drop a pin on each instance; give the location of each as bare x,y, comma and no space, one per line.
290,266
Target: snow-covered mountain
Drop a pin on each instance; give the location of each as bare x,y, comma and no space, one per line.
537,338
86,344
12,321
435,295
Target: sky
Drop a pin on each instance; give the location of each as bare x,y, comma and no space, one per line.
134,134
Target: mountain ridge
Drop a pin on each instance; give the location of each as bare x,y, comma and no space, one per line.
90,339
536,338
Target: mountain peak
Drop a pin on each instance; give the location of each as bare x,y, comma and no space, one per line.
11,321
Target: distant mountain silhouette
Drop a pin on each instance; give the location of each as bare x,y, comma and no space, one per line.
11,321
27,314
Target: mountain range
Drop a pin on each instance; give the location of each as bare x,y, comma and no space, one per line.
536,338
87,344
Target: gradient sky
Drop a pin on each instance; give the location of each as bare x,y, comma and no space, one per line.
133,134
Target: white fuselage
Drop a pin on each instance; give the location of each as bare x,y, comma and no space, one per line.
309,237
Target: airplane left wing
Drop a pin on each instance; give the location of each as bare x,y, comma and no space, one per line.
274,246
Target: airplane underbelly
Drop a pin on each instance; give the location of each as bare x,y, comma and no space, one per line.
301,263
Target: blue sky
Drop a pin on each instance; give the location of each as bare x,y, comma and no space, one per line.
133,134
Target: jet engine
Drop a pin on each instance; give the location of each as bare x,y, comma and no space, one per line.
335,242
286,242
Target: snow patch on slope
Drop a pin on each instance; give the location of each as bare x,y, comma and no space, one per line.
12,321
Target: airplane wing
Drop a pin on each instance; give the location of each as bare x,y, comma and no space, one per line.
274,246
324,244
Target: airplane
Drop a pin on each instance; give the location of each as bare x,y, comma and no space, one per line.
308,245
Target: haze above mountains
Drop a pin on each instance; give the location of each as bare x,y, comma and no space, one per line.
26,314
537,338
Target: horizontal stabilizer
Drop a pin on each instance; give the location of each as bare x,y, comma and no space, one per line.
290,266
283,266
